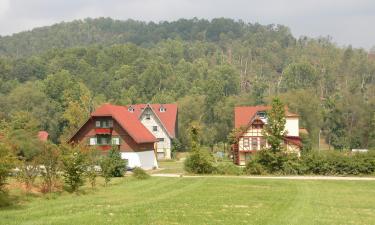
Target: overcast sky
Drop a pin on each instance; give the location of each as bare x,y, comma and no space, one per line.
346,21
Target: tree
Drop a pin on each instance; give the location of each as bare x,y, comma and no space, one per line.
7,162
199,161
49,159
74,168
274,130
112,165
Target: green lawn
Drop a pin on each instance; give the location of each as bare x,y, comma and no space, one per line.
205,201
171,167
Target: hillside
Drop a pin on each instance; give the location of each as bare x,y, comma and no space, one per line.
106,31
52,77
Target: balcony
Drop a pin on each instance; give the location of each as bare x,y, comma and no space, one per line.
103,130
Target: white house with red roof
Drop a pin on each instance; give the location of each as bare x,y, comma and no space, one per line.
161,121
250,120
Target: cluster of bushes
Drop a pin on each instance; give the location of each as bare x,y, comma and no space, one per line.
280,163
64,166
313,163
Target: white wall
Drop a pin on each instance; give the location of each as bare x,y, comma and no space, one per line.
146,160
164,146
292,126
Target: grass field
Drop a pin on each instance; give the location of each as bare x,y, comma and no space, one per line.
204,201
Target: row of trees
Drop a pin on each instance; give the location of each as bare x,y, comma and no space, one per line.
207,67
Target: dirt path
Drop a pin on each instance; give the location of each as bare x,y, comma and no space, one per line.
274,177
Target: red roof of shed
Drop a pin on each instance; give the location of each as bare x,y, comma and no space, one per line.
167,118
43,135
127,120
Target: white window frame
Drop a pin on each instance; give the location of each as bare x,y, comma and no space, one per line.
93,141
97,123
115,141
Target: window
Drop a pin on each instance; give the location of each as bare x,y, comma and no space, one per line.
103,139
254,143
262,114
154,128
104,123
162,109
92,141
148,116
115,141
131,109
245,142
160,139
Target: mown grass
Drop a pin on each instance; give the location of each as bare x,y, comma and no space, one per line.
171,167
204,201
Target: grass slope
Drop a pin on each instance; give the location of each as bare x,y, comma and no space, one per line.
205,201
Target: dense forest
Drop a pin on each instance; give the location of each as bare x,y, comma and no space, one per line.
51,78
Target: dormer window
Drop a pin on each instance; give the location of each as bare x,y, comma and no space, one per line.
262,114
162,109
131,109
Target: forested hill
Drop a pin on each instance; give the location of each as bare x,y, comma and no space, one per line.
106,31
52,77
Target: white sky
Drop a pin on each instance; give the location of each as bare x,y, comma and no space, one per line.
346,21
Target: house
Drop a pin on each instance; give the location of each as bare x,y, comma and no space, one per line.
161,121
115,126
250,121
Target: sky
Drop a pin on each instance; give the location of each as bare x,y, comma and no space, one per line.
347,22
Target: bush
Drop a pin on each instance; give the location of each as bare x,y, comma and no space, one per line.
74,168
255,168
228,168
199,162
339,163
140,173
112,165
6,164
118,164
50,159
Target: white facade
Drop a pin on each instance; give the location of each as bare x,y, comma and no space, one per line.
146,159
292,126
153,124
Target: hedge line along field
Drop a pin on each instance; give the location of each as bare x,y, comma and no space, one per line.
205,200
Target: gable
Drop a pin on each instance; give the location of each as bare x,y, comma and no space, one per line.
167,116
128,121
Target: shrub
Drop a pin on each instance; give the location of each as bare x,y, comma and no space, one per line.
270,162
199,162
74,168
228,168
118,164
112,165
50,161
338,163
140,174
255,168
6,164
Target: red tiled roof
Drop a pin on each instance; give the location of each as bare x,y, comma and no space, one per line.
43,135
243,114
167,118
127,120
